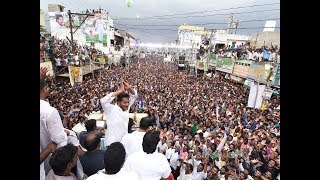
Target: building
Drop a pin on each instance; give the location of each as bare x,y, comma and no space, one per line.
55,8
265,38
97,31
188,35
42,18
229,40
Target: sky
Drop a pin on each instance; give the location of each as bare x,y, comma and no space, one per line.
212,14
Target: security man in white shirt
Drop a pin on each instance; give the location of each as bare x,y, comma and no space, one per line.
133,142
149,164
51,127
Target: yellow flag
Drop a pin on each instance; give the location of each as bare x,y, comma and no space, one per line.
263,105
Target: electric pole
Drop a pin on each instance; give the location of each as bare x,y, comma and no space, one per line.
70,24
230,23
237,23
71,33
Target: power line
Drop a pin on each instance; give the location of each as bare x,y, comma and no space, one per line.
257,5
141,30
207,15
84,5
77,8
201,30
199,24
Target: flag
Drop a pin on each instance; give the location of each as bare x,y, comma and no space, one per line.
141,102
214,154
248,83
75,74
263,105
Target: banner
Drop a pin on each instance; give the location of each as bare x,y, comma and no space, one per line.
241,68
255,96
259,72
276,76
75,74
267,93
47,65
95,28
59,23
248,83
225,65
200,65
102,60
237,79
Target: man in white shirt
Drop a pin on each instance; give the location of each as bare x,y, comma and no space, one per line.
118,115
149,165
162,146
51,127
43,155
100,27
185,172
200,172
133,142
62,161
174,163
114,158
170,151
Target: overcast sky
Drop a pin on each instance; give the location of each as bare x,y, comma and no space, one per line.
252,15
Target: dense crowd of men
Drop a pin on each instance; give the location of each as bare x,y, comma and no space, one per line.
197,127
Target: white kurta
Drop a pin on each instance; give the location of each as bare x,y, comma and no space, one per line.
148,166
133,142
121,175
117,119
51,129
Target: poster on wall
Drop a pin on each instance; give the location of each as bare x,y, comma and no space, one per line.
267,93
95,28
59,23
225,65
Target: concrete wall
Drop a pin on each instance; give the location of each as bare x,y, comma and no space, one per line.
258,39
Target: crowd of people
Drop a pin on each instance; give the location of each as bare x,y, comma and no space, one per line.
260,54
60,53
197,127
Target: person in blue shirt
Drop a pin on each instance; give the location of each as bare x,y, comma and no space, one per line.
266,54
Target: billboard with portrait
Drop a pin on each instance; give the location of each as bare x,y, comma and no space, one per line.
95,28
60,25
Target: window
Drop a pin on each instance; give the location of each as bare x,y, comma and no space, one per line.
105,44
112,42
92,44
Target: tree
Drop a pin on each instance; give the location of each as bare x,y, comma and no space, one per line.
42,29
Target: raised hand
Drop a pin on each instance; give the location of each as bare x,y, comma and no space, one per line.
43,73
122,85
127,86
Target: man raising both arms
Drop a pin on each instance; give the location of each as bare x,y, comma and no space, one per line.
117,115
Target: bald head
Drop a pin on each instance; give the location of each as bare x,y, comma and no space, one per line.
92,141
